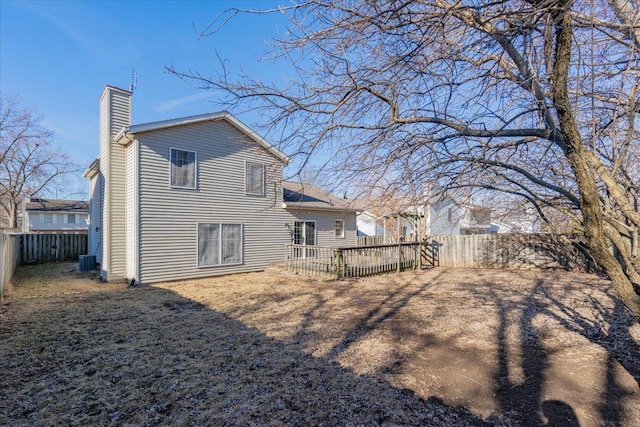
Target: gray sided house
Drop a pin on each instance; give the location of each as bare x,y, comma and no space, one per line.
196,196
319,218
55,216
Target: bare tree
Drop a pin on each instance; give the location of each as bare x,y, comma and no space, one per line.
29,163
535,99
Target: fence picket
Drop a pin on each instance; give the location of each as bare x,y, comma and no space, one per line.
41,248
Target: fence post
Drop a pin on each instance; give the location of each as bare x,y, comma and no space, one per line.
337,255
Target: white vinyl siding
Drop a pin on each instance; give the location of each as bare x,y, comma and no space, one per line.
183,168
95,217
131,211
254,178
115,114
219,244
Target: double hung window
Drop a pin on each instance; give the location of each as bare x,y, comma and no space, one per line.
183,168
254,178
339,228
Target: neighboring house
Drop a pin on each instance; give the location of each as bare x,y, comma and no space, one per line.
448,217
197,196
369,225
55,216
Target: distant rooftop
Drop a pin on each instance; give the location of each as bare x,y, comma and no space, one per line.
308,196
58,205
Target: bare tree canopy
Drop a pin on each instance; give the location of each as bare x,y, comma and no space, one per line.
537,100
29,163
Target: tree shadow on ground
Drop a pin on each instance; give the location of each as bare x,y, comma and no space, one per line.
150,357
519,401
608,328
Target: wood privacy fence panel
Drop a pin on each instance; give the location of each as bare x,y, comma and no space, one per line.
9,259
369,240
41,248
503,251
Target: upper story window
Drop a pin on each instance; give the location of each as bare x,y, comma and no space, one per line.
46,218
254,178
72,218
183,168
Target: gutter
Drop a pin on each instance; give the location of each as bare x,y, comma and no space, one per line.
92,170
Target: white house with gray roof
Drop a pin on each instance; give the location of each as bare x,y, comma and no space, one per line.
55,216
198,196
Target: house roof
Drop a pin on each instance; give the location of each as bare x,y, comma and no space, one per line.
58,205
126,135
299,195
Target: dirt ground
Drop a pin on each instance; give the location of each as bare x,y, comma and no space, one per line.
438,347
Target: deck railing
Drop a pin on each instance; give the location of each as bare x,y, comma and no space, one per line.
351,261
311,260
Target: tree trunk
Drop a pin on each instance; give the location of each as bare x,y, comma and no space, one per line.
577,156
14,214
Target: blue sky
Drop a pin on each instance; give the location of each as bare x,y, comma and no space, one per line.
57,56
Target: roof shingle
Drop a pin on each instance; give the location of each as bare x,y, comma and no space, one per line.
307,196
58,205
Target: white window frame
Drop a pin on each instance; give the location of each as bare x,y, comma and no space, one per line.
195,169
44,215
339,236
304,232
264,177
221,224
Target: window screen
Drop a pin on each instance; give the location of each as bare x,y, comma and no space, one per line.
219,244
254,180
183,168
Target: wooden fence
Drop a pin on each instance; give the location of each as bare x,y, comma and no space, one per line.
483,250
352,261
9,259
41,248
504,251
19,249
369,240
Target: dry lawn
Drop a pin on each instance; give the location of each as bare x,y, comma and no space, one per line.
441,347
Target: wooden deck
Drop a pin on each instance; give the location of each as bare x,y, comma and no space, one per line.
352,261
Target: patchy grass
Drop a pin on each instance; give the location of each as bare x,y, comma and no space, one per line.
443,347
44,280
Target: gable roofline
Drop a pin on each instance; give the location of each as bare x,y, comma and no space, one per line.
305,196
126,135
